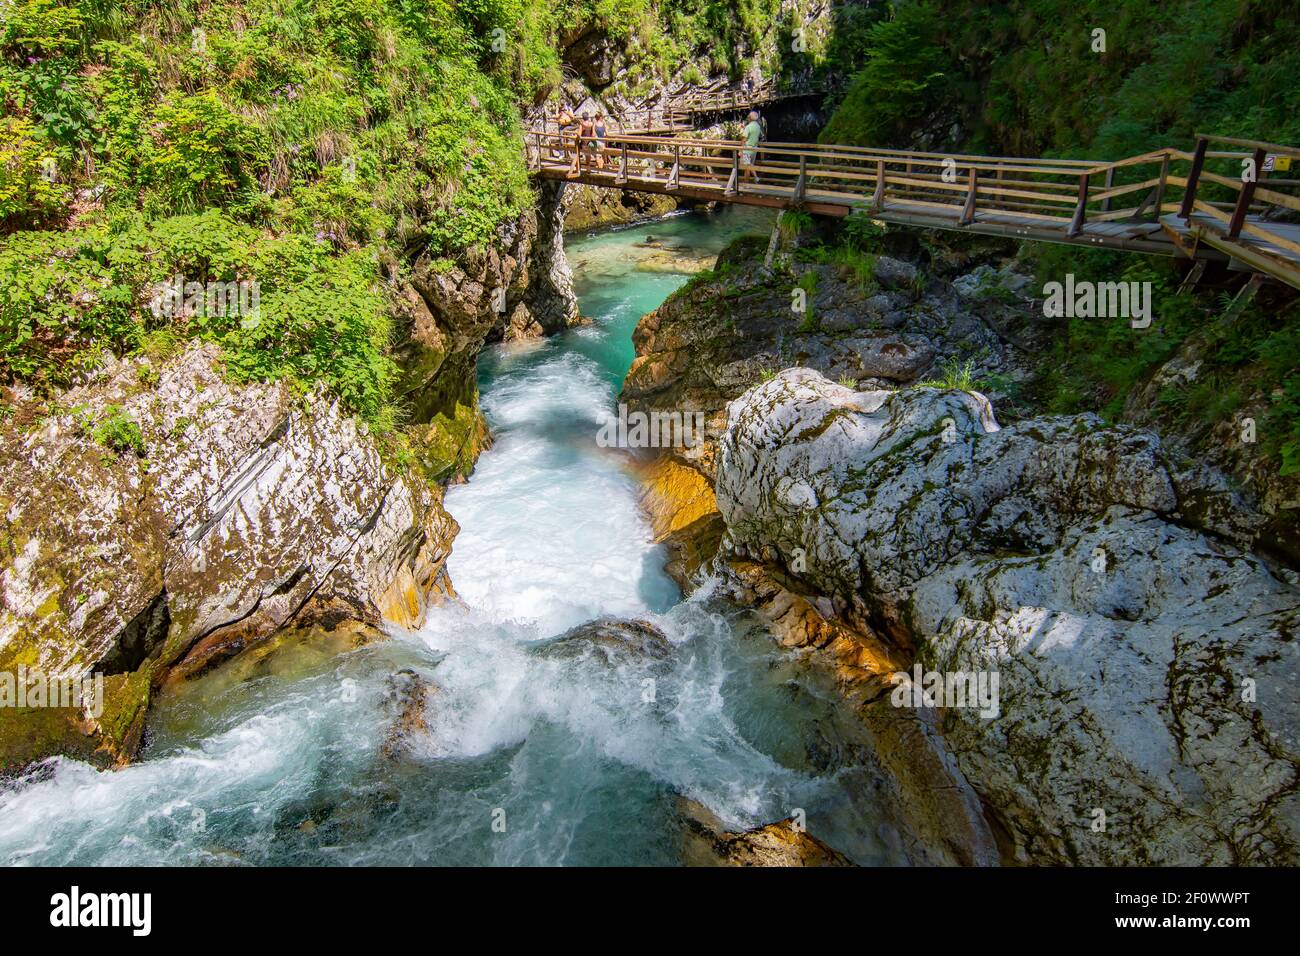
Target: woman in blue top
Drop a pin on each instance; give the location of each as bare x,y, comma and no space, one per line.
599,142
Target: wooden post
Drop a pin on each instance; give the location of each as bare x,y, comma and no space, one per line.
1110,181
968,212
878,198
1244,198
801,184
1245,295
622,165
677,165
1160,186
1193,177
1193,276
1081,210
733,184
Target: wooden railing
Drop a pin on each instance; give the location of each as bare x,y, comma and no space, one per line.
741,97
1074,198
855,176
678,114
663,119
1229,199
1259,193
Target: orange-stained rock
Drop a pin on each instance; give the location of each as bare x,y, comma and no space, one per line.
784,843
674,496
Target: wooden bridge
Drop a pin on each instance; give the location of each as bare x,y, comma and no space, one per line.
732,98
688,111
1235,203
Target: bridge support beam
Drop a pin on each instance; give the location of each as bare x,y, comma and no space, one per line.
968,212
1193,177
1110,181
1193,276
1245,295
1081,210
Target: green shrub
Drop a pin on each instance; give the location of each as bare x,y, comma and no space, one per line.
903,85
118,432
956,375
306,146
29,191
59,305
199,153
39,28
862,232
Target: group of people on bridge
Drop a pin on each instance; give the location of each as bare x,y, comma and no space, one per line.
589,132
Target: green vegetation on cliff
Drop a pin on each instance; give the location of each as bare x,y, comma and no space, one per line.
304,146
1024,77
1031,78
313,147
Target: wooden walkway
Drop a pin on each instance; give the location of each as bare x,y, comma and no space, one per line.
688,111
1205,204
733,98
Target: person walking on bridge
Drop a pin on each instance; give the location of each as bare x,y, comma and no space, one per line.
752,133
586,140
601,132
565,122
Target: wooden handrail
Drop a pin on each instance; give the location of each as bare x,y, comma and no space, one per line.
1252,144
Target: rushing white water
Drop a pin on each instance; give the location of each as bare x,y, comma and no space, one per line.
576,760
556,537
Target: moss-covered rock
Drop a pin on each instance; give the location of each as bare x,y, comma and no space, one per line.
252,509
592,207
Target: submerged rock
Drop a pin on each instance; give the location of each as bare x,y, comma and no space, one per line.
610,640
407,699
592,206
1147,711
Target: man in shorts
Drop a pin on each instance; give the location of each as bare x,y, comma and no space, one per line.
752,133
567,126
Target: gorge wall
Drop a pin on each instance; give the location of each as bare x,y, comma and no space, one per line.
180,487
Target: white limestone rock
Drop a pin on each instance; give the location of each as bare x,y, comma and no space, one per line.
1147,662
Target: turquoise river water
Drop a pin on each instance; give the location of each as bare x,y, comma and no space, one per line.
280,761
